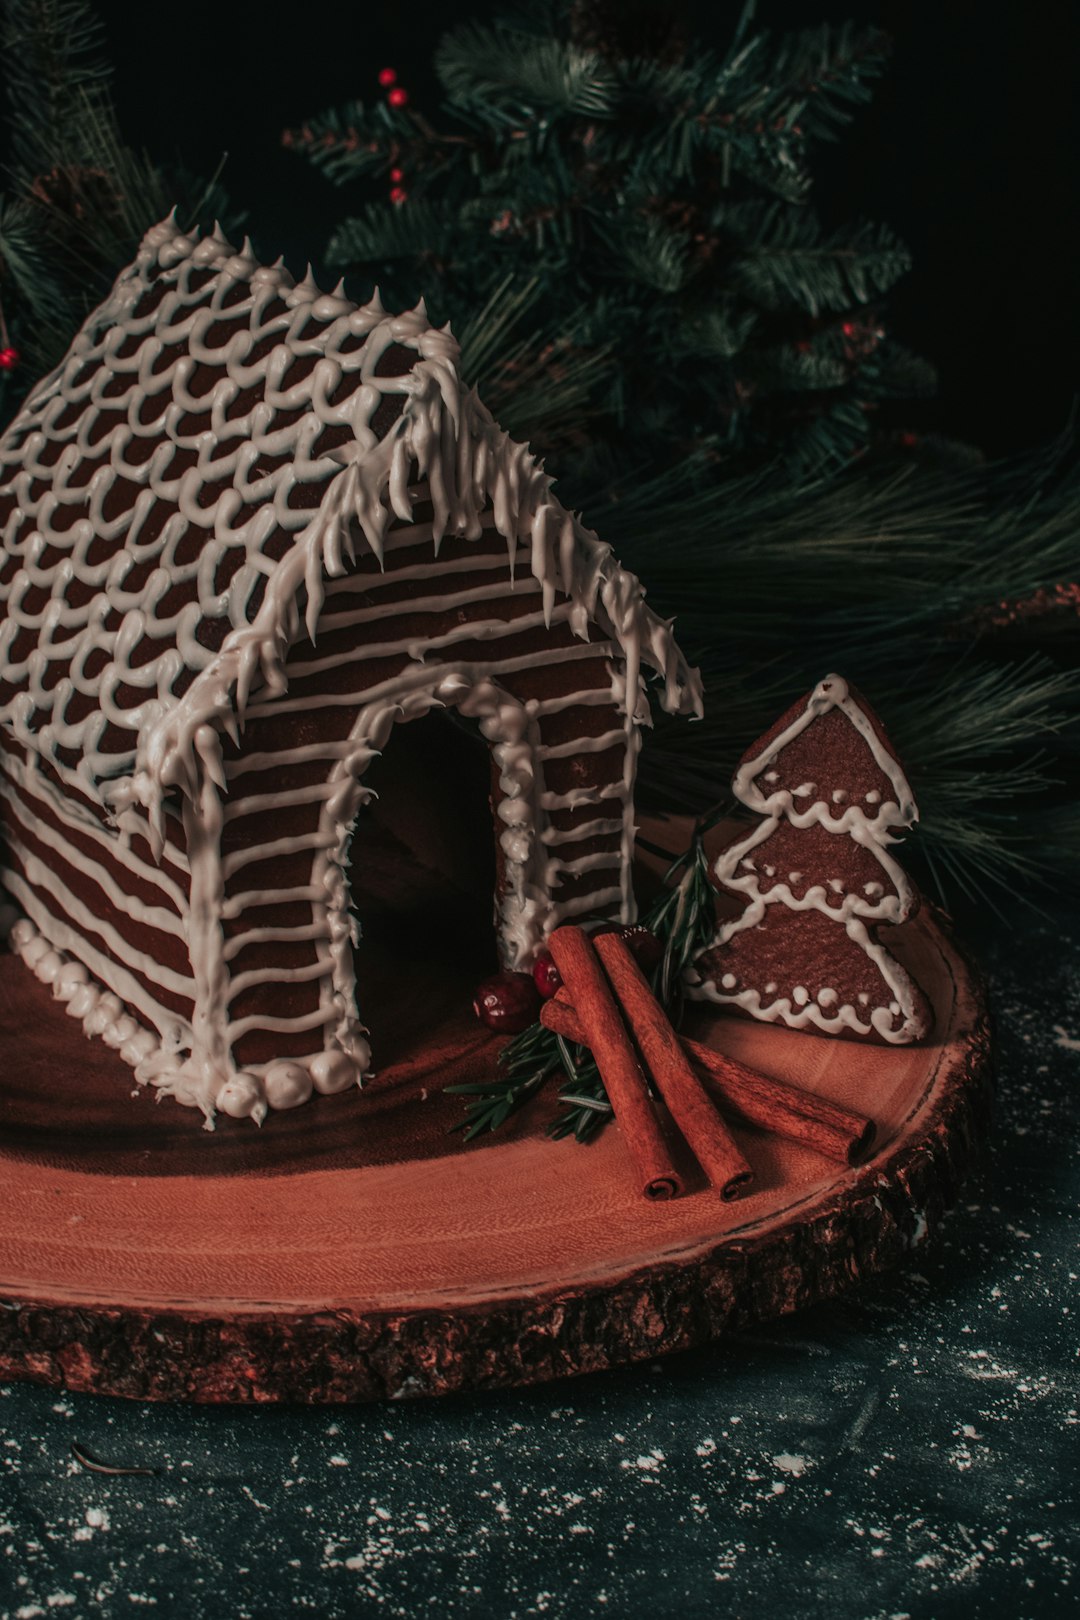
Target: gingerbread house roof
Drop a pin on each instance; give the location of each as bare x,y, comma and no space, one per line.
217,442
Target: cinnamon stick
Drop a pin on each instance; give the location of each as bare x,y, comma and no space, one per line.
756,1099
712,1143
785,1110
603,1032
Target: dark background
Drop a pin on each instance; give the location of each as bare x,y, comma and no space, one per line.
968,150
907,1451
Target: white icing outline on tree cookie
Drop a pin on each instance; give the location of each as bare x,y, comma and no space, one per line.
846,1017
853,914
890,908
831,693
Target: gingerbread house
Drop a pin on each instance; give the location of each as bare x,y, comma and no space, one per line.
249,530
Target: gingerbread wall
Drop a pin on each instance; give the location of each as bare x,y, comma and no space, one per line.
427,616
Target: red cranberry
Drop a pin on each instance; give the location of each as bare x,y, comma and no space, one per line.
508,1002
546,976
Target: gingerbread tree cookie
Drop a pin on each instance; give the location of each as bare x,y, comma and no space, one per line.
819,878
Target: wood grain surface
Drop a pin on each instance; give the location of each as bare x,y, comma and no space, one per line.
355,1249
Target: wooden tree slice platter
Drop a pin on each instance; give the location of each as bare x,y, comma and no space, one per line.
354,1249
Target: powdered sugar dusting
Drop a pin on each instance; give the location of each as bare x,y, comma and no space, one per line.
905,1451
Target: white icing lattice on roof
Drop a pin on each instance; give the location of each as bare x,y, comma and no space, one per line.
216,442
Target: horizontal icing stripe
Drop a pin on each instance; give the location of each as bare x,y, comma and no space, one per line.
471,630
417,534
583,745
296,975
256,803
34,786
586,863
601,827
422,674
440,585
429,566
428,606
277,846
272,760
63,937
157,917
574,797
263,1021
587,902
44,877
269,935
253,899
592,697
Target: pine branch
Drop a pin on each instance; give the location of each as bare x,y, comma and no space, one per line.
898,374
53,57
980,740
420,233
355,141
24,258
821,76
719,332
793,266
492,71
533,388
80,198
797,368
683,920
650,199
645,249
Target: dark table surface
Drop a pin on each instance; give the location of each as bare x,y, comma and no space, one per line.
909,1451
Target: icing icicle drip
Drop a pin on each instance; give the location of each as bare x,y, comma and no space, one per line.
229,473
234,483
497,472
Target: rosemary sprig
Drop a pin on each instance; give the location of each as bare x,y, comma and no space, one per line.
683,919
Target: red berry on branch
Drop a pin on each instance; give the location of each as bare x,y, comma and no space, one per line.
397,175
387,77
9,358
546,976
398,97
398,194
508,1002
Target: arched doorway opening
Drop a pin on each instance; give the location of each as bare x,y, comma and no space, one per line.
422,881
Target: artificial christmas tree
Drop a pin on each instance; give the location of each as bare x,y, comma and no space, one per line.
622,222
598,177
819,878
